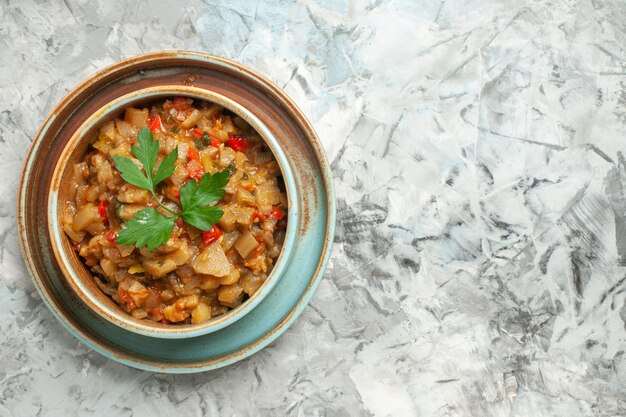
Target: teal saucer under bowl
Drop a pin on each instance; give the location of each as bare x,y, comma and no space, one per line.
312,224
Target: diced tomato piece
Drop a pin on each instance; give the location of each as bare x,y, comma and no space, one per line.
197,133
210,236
177,195
180,222
155,123
111,236
192,154
102,211
277,213
238,143
258,215
180,103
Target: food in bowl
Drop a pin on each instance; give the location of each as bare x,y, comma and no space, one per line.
178,210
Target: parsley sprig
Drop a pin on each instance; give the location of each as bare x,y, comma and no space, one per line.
149,227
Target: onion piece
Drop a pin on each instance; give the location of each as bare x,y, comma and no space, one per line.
191,120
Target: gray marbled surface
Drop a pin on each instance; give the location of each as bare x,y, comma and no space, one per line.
479,266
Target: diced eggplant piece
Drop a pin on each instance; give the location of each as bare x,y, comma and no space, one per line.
212,261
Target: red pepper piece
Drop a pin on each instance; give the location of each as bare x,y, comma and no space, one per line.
197,133
192,154
102,211
215,143
111,236
180,103
180,222
155,123
210,236
238,143
277,213
259,216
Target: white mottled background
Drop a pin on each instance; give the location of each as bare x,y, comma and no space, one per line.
479,266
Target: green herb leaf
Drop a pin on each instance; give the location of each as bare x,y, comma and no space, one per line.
195,196
147,150
210,189
203,217
148,228
131,174
166,168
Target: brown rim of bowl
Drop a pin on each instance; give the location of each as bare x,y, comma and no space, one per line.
78,275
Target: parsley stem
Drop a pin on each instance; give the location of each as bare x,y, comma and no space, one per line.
162,206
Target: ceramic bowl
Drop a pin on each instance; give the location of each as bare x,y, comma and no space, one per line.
79,276
65,284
